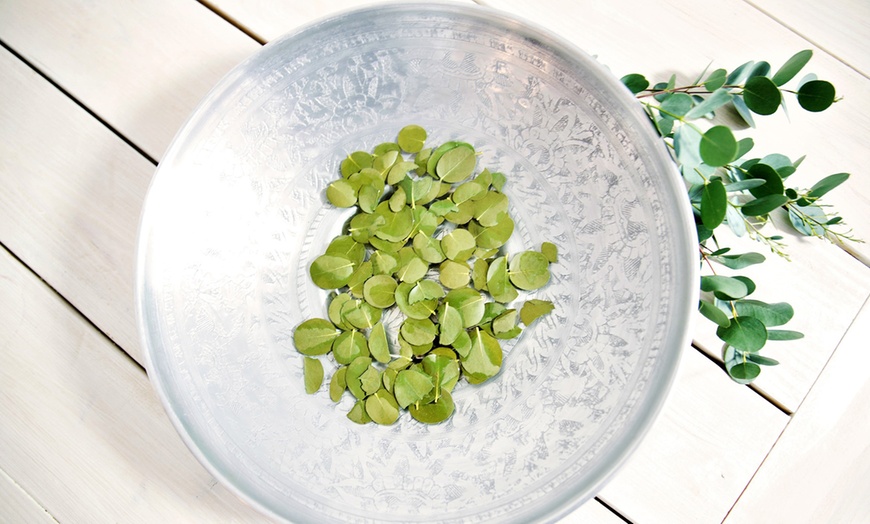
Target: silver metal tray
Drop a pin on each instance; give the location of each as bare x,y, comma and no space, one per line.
236,212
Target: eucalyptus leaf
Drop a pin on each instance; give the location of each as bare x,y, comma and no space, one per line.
358,413
498,281
717,99
718,146
715,80
783,334
485,358
772,180
434,412
529,270
761,95
454,274
380,291
411,386
808,220
764,205
743,110
450,322
713,313
635,82
456,164
312,372
713,204
730,286
534,309
382,408
379,347
411,138
744,333
739,261
769,314
816,95
314,336
549,250
338,384
348,346
677,105
823,186
331,272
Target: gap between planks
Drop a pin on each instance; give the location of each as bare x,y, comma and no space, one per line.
791,419
812,41
228,18
72,306
77,102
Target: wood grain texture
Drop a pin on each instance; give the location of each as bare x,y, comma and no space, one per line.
819,470
82,430
140,65
701,451
841,27
71,199
16,505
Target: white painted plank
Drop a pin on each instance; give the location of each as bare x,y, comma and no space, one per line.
71,199
82,430
842,27
701,451
269,19
592,512
19,507
141,65
819,470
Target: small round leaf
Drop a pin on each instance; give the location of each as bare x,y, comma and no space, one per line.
761,95
816,95
718,146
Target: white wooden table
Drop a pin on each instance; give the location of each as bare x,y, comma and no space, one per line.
91,93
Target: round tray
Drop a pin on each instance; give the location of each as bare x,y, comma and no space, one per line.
236,213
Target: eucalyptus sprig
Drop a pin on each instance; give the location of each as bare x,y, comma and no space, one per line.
728,187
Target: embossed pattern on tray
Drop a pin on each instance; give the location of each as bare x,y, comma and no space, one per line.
236,213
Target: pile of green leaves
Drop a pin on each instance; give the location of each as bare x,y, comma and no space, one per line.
428,240
728,186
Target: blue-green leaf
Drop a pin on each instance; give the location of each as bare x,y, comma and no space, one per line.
783,334
769,314
715,80
739,261
740,73
808,220
728,286
743,111
772,181
635,82
718,146
760,360
761,95
713,313
826,184
764,205
792,67
677,104
744,333
816,95
717,99
713,204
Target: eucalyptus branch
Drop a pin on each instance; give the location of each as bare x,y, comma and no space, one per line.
726,187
